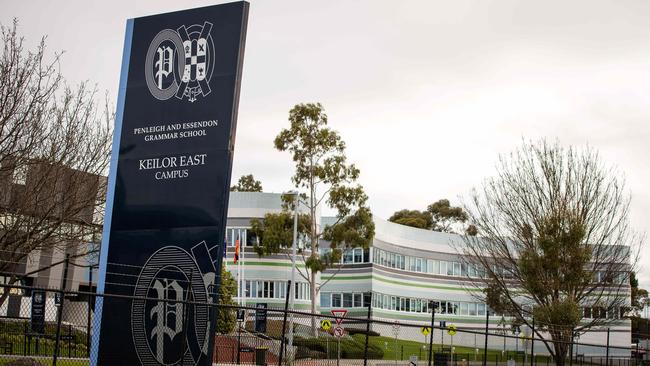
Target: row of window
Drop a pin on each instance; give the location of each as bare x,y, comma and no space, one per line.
246,237
457,269
415,305
603,313
275,290
423,265
399,303
352,256
344,300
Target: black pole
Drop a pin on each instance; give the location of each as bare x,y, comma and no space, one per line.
90,280
532,344
571,349
607,352
487,324
284,322
433,319
59,311
239,341
365,350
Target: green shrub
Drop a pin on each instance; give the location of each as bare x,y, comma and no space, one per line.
353,331
350,348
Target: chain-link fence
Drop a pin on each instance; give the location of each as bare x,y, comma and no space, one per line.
54,327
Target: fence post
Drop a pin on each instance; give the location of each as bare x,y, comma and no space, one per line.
59,312
90,281
239,338
365,350
487,324
532,344
284,323
25,339
607,351
433,319
69,339
571,350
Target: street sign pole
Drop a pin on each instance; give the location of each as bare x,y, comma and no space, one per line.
433,319
338,350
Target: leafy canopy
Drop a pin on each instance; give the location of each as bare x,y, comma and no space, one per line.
324,178
247,183
226,319
439,216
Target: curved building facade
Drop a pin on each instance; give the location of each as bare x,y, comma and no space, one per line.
404,270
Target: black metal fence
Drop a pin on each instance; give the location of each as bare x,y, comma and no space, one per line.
57,330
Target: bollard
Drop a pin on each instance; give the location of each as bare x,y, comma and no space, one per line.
260,356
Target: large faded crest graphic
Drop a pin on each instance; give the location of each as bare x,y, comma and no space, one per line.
170,319
180,62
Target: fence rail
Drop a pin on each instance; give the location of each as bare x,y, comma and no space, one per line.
62,335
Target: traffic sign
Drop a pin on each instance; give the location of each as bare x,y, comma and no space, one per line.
425,331
413,360
396,328
451,330
339,314
443,324
338,331
241,313
326,324
58,298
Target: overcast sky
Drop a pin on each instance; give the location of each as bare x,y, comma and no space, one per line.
426,94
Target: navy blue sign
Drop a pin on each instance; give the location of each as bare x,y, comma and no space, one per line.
260,317
168,187
38,312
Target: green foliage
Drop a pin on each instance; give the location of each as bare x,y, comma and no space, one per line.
559,259
321,168
444,215
439,216
275,231
555,236
355,230
471,230
559,315
226,317
413,218
640,297
496,299
351,348
247,183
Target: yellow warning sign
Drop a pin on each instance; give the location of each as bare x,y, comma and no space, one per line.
451,329
425,331
326,324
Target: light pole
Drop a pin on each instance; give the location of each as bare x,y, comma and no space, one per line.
292,295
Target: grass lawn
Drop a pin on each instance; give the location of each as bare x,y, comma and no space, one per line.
407,348
47,361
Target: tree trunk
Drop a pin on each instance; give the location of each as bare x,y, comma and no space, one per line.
561,347
314,327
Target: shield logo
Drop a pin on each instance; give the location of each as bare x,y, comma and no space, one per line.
187,46
201,48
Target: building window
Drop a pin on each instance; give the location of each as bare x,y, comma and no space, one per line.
325,299
358,300
456,269
336,300
358,255
480,309
347,300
